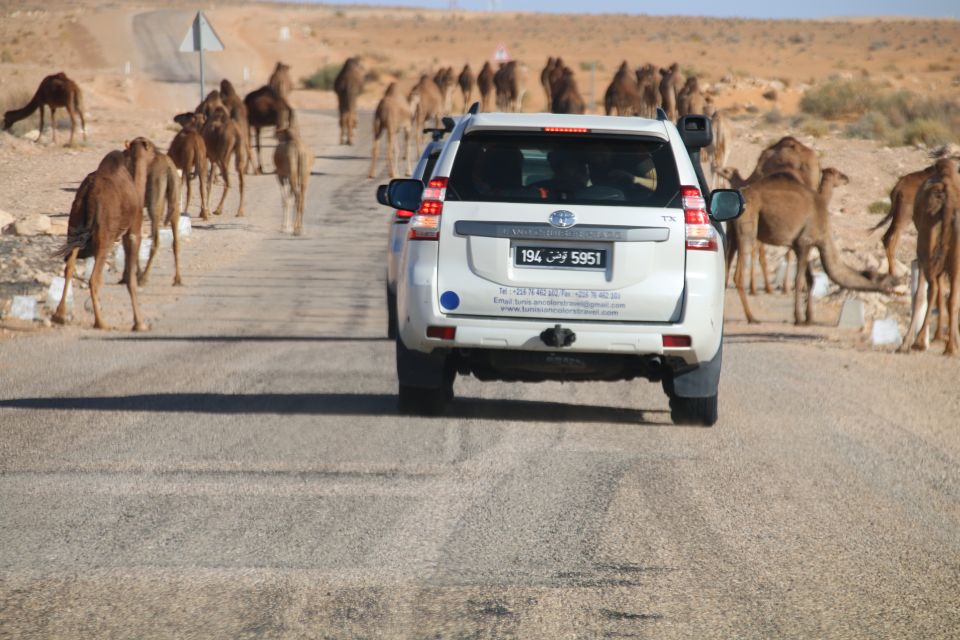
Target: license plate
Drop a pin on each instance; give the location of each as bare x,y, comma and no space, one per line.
560,257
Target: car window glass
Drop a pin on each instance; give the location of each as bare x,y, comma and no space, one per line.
575,169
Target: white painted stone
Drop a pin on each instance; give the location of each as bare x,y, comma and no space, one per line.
821,285
33,225
55,292
88,266
145,245
852,314
885,332
184,226
783,272
166,238
23,308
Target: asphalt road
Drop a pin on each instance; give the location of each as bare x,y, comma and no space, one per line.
240,471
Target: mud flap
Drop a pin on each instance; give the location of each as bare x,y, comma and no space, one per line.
700,382
423,370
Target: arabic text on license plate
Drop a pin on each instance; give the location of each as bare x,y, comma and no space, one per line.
560,257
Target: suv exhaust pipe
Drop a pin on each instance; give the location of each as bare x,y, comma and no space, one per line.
558,337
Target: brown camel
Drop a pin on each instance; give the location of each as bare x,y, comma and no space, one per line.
485,84
280,80
566,95
937,219
671,81
623,94
293,160
188,152
108,206
467,81
546,78
391,117
648,85
348,86
211,102
507,83
902,198
719,149
162,187
426,102
224,140
783,212
238,112
265,108
55,91
690,99
445,81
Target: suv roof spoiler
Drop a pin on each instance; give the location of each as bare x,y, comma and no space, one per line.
661,114
474,108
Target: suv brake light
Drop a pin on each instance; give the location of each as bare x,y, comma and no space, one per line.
566,130
701,236
425,224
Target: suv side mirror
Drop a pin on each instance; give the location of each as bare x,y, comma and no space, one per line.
382,195
695,131
726,204
405,193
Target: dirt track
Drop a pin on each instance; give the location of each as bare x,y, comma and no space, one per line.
240,470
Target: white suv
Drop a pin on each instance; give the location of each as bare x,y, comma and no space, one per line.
564,247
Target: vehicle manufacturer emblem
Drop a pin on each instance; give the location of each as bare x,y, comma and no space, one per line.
562,219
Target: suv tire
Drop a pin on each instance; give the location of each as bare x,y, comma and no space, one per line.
694,411
391,314
425,381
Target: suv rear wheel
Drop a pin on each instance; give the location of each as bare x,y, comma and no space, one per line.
426,381
694,411
391,314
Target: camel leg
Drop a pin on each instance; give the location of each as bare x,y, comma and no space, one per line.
953,339
373,156
154,248
785,287
763,269
744,250
753,269
923,336
175,227
941,333
259,160
890,239
406,151
803,255
60,316
40,135
131,244
204,192
83,124
96,281
918,299
283,204
391,152
239,165
226,188
53,123
298,195
73,123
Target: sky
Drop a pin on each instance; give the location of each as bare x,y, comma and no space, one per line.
724,8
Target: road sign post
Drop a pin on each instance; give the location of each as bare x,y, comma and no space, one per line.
201,37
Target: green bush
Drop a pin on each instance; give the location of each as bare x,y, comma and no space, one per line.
322,79
880,207
927,131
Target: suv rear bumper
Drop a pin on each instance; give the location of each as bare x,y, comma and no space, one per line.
701,320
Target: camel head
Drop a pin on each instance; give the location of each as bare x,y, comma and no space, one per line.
8,120
834,176
189,119
884,282
226,89
733,175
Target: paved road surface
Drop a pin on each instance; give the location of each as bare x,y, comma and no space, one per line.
240,471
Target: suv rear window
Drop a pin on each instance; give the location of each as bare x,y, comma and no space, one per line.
499,166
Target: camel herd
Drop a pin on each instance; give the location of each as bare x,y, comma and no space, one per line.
214,137
787,194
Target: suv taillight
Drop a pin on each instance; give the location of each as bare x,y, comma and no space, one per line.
701,236
425,224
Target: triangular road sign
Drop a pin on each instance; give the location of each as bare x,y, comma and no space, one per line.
201,36
501,54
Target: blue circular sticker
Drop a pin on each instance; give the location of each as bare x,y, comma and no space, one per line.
449,300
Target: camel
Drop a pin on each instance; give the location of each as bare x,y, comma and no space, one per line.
902,198
348,85
265,108
211,102
566,95
391,117
188,152
485,84
719,150
293,160
224,139
467,82
55,91
783,212
507,83
238,112
937,219
445,81
546,78
280,80
648,85
690,100
623,94
671,81
426,102
108,206
162,185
